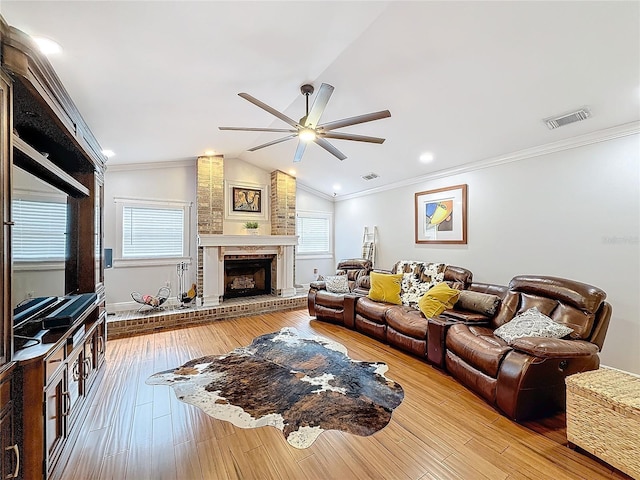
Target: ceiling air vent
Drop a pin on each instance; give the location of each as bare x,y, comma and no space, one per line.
567,118
370,176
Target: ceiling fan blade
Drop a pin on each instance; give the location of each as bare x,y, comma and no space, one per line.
345,122
330,148
243,129
273,142
319,104
349,136
269,109
299,151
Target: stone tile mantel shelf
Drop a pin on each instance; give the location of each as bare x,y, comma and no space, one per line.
216,247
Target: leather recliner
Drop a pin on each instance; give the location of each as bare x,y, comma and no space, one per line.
525,379
338,307
399,325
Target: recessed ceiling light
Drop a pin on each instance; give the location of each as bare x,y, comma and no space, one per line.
108,153
292,172
336,187
426,157
48,46
209,153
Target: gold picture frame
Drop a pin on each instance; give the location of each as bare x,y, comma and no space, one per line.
441,215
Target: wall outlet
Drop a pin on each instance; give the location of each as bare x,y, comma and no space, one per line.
315,271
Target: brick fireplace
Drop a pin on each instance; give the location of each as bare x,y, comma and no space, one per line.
218,248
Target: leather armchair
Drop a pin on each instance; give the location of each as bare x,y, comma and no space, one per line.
525,379
338,307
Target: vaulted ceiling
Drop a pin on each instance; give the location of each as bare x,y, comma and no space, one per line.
466,81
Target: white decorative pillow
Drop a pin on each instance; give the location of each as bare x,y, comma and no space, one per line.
531,323
337,283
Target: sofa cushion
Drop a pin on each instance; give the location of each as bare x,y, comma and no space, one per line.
477,302
385,287
437,299
371,310
408,321
337,283
531,323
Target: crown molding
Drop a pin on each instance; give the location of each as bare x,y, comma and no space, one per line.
126,167
632,128
315,192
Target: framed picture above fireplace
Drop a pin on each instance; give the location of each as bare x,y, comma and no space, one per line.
246,201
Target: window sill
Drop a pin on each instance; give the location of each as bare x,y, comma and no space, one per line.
149,262
312,256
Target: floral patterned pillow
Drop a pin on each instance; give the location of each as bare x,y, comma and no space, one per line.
531,323
337,283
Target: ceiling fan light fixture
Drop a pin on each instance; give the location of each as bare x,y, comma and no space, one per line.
307,135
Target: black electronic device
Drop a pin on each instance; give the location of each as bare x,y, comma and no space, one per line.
32,309
70,309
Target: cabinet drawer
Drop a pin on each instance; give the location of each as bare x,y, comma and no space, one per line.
53,363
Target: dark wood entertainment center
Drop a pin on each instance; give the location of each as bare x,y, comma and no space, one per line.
47,383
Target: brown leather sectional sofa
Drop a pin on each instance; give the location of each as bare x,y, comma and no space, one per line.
524,379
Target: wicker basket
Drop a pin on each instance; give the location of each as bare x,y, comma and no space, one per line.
603,416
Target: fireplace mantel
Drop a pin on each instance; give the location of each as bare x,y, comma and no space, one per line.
216,247
246,240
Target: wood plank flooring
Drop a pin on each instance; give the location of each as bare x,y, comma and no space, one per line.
440,431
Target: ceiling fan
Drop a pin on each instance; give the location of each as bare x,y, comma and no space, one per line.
308,128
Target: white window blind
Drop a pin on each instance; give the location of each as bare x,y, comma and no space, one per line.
40,229
152,232
314,233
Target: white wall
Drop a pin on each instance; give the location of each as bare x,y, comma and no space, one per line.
305,265
157,182
572,214
178,182
242,173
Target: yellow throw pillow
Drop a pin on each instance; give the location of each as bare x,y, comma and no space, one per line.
385,287
437,299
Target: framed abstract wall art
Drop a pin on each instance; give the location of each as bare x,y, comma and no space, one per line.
441,215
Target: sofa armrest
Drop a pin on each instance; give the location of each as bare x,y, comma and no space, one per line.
437,328
465,316
319,285
554,347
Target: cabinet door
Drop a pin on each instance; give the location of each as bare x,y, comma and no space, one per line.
10,458
88,363
74,382
6,312
56,412
101,339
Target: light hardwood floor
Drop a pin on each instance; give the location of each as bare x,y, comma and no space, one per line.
440,431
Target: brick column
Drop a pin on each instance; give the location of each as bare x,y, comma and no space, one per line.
283,203
210,200
283,206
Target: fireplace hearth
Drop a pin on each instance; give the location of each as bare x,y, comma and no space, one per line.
247,276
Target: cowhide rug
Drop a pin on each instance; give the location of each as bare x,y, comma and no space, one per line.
301,385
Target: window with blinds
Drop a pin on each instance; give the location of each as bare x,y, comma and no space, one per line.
314,233
149,232
39,233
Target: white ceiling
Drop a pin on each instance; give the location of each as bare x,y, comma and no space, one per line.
465,80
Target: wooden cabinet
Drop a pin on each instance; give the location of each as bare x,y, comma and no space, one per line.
46,383
9,449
